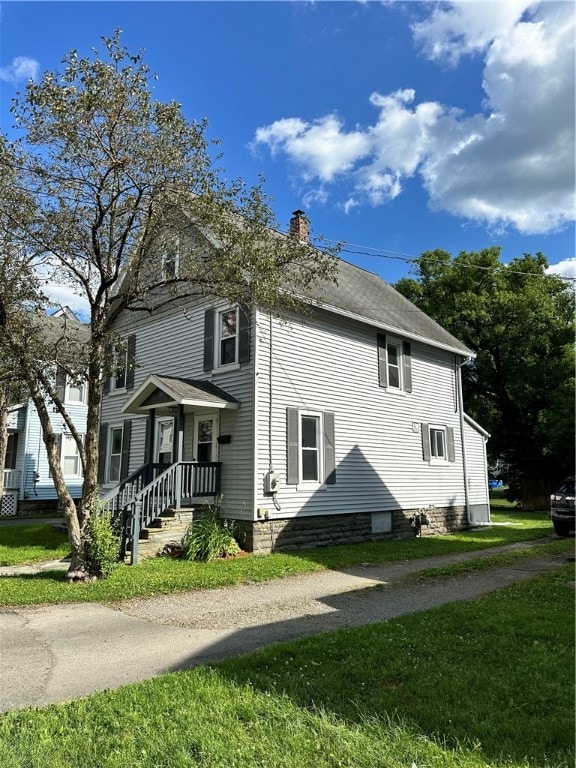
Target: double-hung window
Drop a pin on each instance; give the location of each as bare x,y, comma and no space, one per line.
228,337
75,391
70,457
121,360
394,363
438,443
310,447
114,454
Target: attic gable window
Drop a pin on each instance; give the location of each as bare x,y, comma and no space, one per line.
171,261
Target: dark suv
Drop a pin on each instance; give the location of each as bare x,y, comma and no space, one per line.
562,507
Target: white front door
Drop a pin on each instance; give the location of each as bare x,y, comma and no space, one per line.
164,441
205,437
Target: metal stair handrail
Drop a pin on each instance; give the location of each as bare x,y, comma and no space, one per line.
135,504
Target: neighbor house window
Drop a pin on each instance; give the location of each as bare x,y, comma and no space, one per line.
114,454
310,447
75,391
70,457
228,336
394,363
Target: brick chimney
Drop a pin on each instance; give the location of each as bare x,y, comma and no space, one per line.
299,226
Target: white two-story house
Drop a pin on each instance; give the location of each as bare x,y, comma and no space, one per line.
344,423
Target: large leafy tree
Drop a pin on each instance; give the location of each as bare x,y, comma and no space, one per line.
112,173
520,321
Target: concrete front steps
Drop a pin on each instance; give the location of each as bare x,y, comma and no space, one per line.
166,529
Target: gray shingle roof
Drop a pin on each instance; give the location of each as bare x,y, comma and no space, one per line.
196,389
365,295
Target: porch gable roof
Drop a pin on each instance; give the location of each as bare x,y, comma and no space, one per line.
169,391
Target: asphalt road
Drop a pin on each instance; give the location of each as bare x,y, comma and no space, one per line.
55,653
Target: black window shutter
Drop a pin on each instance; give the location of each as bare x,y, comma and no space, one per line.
450,441
125,461
292,446
107,367
329,449
130,361
426,442
11,451
209,339
60,384
407,360
244,334
102,449
382,368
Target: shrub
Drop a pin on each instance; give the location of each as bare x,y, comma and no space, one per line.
101,544
209,537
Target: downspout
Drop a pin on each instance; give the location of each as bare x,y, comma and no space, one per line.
462,437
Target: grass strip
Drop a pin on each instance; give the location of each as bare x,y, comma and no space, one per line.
483,684
491,561
166,576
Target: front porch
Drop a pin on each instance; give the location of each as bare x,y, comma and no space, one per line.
154,493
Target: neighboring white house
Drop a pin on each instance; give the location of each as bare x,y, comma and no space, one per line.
342,424
28,484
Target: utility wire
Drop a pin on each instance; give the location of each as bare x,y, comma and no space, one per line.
383,253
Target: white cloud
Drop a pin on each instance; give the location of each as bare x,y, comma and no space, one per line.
565,268
21,68
466,27
510,165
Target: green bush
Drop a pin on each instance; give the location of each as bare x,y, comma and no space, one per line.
101,544
209,537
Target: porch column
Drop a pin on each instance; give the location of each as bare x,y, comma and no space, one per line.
149,448
180,434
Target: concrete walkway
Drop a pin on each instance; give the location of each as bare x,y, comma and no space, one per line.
56,653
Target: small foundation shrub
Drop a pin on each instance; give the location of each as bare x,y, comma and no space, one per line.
101,544
209,537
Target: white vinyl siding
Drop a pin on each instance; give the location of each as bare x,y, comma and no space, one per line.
328,363
171,343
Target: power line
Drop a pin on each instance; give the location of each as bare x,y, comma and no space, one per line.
383,253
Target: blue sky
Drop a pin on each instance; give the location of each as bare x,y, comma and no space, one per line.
398,127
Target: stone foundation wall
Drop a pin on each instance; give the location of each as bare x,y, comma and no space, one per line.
48,507
328,530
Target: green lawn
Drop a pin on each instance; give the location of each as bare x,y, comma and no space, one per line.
164,576
23,544
483,684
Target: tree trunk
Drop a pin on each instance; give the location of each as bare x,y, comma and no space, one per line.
3,437
77,568
535,494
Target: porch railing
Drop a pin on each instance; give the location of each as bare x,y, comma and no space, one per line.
11,478
135,503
